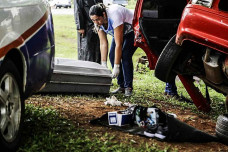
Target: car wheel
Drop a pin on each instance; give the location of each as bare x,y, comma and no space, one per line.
11,106
166,60
222,128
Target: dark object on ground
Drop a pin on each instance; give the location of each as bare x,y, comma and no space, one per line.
222,128
168,129
142,60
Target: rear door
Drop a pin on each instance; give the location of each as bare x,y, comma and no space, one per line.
159,20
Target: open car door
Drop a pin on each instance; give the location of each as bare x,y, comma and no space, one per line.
154,23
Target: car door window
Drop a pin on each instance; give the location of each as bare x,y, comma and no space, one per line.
223,5
150,9
159,21
163,9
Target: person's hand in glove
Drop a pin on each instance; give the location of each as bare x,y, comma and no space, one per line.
116,70
104,64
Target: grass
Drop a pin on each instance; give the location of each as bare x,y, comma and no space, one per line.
47,130
65,36
131,4
52,133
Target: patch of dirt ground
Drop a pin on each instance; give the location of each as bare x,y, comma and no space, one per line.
82,110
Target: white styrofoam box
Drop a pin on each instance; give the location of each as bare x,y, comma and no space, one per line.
119,118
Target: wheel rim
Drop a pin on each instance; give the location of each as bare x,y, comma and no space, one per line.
10,107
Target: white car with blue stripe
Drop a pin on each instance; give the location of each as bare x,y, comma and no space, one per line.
26,61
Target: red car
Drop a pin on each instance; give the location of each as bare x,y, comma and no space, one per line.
154,23
200,48
203,26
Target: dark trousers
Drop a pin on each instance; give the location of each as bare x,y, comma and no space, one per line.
171,88
125,77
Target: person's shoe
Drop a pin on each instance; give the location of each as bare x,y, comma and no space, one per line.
161,132
118,90
128,92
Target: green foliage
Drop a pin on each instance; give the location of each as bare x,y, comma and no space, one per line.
131,4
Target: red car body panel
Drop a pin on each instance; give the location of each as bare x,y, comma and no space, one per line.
140,40
208,27
198,99
194,27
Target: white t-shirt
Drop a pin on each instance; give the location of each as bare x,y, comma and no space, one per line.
118,15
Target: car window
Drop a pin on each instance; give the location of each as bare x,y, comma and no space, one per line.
164,9
223,5
150,9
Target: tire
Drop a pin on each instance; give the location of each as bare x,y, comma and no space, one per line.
222,128
166,61
11,105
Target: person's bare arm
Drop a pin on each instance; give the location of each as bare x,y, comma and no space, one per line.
103,45
118,36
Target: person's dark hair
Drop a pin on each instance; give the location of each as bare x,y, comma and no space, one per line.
97,9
